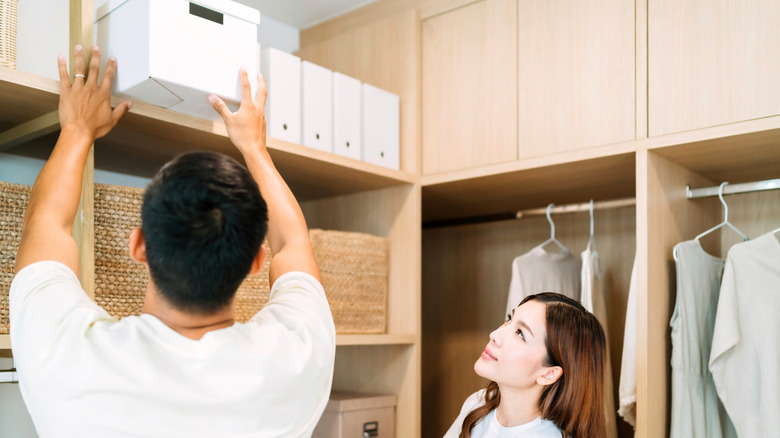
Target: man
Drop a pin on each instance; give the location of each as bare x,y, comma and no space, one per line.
183,368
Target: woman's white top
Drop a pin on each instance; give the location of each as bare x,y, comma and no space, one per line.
489,427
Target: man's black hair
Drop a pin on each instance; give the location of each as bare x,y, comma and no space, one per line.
203,221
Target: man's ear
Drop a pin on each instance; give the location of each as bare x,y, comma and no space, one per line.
137,246
257,263
550,376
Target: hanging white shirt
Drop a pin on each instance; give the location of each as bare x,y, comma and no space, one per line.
745,358
593,301
489,427
82,373
627,388
541,271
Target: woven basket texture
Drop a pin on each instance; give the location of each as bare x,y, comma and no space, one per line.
8,33
13,203
353,267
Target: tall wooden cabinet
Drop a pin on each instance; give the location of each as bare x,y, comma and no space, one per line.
613,99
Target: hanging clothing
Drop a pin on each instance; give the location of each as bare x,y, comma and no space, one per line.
541,271
696,409
627,388
593,300
745,359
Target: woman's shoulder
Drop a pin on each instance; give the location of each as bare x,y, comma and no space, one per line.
474,401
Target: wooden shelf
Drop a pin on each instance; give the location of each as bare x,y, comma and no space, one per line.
351,340
737,152
598,173
149,136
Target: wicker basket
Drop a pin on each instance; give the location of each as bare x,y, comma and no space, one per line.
8,33
13,203
353,266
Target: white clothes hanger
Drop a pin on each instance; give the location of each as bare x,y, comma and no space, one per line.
552,238
720,225
590,239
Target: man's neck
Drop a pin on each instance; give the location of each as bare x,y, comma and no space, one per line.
189,325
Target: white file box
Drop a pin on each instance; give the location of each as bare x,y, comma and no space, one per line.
174,53
347,134
282,73
317,107
381,127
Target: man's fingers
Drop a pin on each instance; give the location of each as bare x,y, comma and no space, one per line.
220,106
246,89
63,70
262,91
78,64
108,75
120,111
94,67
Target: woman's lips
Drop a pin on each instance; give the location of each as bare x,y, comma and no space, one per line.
487,355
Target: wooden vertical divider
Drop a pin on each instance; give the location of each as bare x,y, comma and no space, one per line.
81,19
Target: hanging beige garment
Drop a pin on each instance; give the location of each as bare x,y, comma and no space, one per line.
593,300
541,271
696,410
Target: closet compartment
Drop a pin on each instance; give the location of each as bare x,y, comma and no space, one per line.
282,73
470,240
735,154
317,107
347,133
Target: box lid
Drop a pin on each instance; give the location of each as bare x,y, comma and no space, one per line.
350,401
229,7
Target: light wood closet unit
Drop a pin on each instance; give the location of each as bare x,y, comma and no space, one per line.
469,86
335,193
712,62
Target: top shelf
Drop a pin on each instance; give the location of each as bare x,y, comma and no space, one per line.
149,136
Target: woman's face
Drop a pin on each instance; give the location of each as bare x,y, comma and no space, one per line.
516,352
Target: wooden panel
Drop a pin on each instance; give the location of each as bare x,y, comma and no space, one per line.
712,62
466,273
753,213
469,87
576,74
641,69
393,213
665,217
383,54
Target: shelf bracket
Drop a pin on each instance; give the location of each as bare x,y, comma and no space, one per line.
35,128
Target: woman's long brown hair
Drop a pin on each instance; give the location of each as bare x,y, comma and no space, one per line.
575,342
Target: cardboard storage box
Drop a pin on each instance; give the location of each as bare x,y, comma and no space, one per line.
347,135
381,127
282,73
351,415
174,53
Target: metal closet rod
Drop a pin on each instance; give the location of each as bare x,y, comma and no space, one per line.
576,208
730,189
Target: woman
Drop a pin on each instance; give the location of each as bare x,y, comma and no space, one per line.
546,369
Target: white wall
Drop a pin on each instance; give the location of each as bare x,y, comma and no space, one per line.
273,33
14,420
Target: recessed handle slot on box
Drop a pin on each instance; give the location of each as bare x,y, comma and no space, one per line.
370,429
208,14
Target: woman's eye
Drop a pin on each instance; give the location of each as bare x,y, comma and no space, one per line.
520,332
508,318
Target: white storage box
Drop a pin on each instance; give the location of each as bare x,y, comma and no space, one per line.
317,107
350,415
282,73
347,136
174,53
381,127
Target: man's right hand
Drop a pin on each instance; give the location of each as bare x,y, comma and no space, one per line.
245,127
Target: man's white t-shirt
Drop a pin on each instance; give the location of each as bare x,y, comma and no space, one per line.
83,373
489,427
